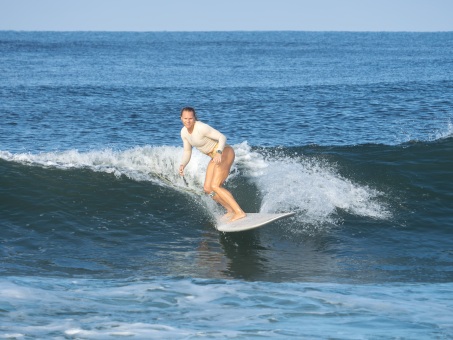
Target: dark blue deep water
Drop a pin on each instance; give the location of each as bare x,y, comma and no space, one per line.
100,238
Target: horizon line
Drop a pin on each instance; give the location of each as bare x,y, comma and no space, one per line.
224,31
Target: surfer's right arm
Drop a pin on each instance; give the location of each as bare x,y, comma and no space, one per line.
186,155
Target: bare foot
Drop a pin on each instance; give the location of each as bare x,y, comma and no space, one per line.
238,216
227,216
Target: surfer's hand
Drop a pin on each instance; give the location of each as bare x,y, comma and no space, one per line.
181,170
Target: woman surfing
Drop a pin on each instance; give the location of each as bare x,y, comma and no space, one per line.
212,143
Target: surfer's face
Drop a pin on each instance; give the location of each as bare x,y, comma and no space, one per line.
188,119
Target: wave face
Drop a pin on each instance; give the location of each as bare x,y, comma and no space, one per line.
94,202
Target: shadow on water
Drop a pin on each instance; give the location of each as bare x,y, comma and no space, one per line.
245,254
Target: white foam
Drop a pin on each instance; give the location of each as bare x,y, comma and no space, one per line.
185,308
158,164
443,130
312,188
447,132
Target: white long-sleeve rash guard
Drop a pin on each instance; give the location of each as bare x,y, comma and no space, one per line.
203,137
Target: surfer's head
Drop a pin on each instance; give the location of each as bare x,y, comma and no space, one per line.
189,109
188,118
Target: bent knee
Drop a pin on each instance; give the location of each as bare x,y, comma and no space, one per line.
215,187
212,188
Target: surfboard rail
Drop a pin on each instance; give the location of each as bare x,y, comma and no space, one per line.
251,221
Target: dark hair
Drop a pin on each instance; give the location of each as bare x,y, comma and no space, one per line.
190,109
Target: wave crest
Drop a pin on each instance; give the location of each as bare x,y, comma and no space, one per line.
310,187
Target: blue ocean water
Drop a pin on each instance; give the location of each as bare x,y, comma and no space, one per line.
101,238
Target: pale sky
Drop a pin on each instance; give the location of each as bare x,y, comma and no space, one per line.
226,15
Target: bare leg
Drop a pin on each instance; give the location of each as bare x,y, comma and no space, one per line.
216,175
210,191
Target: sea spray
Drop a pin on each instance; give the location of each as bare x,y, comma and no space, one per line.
311,187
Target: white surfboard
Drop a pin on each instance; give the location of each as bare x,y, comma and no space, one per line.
251,221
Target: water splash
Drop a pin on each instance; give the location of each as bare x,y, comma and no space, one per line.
310,187
148,163
447,132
